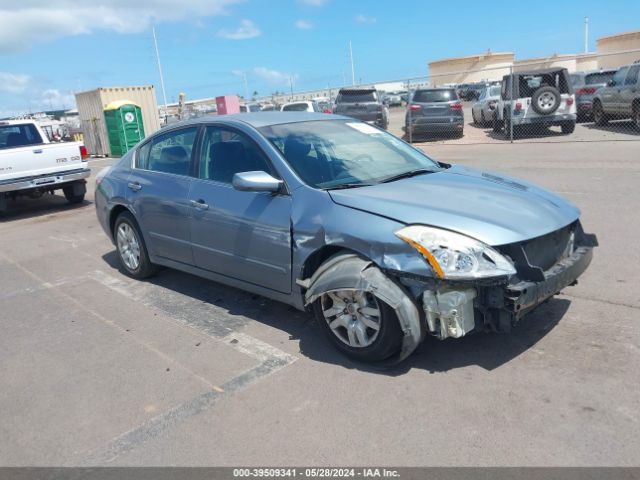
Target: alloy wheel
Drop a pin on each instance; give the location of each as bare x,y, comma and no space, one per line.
353,316
128,246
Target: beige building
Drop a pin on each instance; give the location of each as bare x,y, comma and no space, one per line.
473,68
573,63
622,42
91,106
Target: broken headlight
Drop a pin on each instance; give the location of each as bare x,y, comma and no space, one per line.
455,256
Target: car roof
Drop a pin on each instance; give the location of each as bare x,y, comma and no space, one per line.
261,119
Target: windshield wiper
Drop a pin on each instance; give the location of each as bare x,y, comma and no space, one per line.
410,173
349,185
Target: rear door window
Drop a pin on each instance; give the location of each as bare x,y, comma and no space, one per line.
632,76
618,77
428,96
601,77
13,136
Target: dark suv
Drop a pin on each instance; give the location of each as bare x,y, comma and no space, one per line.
620,98
363,104
435,110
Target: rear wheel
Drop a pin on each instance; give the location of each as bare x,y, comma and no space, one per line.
473,116
568,127
131,248
497,124
599,117
74,193
483,120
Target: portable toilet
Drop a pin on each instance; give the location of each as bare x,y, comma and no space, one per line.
125,129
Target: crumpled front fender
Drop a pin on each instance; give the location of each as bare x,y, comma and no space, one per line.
352,272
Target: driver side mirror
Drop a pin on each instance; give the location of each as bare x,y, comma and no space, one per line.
256,182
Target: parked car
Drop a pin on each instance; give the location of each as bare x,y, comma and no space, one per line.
334,216
473,91
250,107
363,104
393,99
305,106
482,110
620,99
434,110
585,85
30,165
269,107
538,97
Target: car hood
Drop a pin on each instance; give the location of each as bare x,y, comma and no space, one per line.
493,208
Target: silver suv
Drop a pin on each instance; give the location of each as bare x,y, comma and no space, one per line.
537,97
620,99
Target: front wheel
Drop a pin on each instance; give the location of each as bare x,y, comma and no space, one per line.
131,248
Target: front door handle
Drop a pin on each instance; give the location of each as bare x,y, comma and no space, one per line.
135,186
199,204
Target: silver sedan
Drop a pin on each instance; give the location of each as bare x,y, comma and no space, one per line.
482,110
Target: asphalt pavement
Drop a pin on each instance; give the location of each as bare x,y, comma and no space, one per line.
99,369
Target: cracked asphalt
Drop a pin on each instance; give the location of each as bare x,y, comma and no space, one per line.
98,369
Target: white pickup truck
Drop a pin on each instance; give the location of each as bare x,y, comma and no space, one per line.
31,165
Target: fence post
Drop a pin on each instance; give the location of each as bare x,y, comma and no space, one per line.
409,122
511,104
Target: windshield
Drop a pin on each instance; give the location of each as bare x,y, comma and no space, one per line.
328,154
295,107
426,96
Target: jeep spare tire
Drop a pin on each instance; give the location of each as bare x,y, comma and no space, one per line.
545,100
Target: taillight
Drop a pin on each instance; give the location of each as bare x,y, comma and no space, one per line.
456,106
327,110
83,152
586,91
518,107
569,101
415,108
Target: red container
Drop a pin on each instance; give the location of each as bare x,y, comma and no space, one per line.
228,104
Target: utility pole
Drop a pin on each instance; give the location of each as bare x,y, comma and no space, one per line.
291,87
353,72
246,88
586,34
164,94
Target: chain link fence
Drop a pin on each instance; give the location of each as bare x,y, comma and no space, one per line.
582,98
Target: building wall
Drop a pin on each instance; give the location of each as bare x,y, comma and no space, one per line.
617,43
476,68
90,110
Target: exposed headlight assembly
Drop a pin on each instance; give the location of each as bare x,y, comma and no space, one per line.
454,256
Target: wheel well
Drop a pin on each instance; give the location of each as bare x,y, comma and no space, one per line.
318,257
115,213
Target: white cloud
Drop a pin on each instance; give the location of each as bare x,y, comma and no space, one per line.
361,18
315,3
304,24
247,29
23,23
14,82
274,77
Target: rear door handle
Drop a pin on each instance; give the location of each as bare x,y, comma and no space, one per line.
199,204
135,186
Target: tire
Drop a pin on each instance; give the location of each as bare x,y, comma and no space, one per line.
568,127
599,117
71,196
497,124
473,116
636,116
350,334
127,235
546,100
483,120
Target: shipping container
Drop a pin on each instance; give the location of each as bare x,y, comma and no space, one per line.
91,105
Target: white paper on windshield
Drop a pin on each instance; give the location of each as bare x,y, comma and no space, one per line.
364,128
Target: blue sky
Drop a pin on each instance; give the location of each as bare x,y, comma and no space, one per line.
49,49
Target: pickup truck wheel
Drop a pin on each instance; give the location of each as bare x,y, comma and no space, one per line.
599,117
568,127
74,193
131,248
